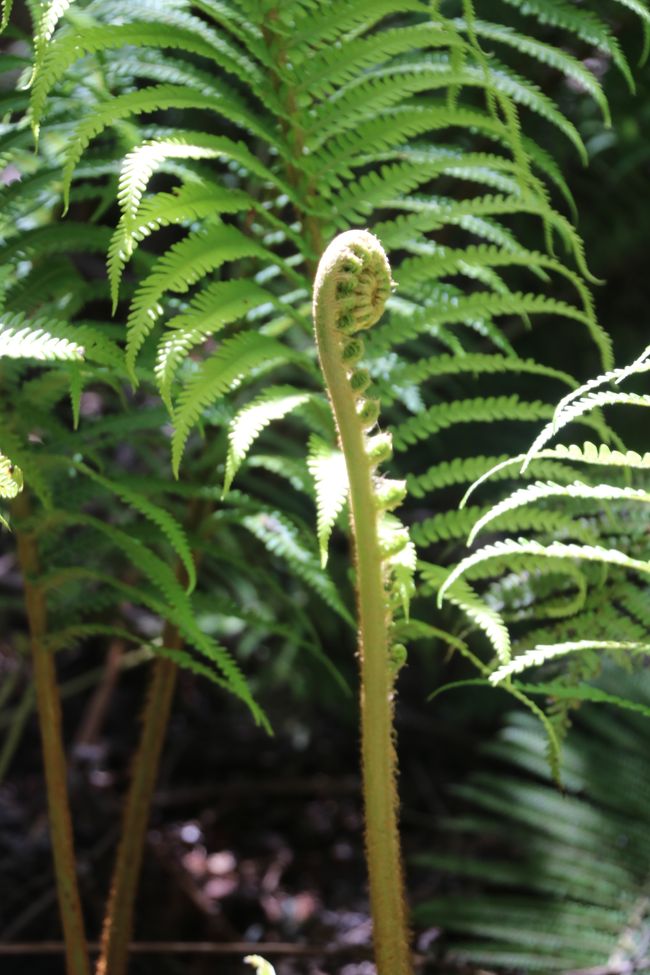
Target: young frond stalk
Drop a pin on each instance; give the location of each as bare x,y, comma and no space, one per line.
353,282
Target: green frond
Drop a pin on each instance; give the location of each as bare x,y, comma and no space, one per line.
335,65
471,470
143,558
44,341
587,693
140,164
474,363
541,655
210,310
461,594
290,469
324,26
162,519
542,490
152,99
487,410
247,355
326,465
579,408
51,14
175,604
530,913
589,453
582,23
466,523
614,376
7,6
547,54
273,404
283,539
72,237
427,213
185,204
511,549
182,265
181,33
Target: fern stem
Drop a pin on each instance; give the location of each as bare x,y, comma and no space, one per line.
118,920
351,286
48,706
295,136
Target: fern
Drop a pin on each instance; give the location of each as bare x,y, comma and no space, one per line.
327,467
530,913
620,528
226,143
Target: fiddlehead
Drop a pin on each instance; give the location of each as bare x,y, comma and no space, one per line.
353,282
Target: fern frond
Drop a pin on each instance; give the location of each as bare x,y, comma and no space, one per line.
273,404
282,537
156,98
51,14
547,54
7,6
543,654
162,519
587,693
514,548
578,408
548,489
458,524
188,203
321,27
179,268
43,341
462,595
186,33
472,470
487,410
612,376
210,310
248,354
327,467
583,24
475,363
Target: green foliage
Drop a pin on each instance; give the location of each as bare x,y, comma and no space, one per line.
226,143
210,149
612,508
563,877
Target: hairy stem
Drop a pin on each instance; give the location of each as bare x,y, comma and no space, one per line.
118,920
48,705
351,287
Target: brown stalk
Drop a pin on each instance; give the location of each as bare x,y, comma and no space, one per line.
48,706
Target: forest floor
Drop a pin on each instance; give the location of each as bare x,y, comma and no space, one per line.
255,842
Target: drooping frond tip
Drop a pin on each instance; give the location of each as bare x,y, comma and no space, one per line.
353,280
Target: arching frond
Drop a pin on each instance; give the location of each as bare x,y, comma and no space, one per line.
327,467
